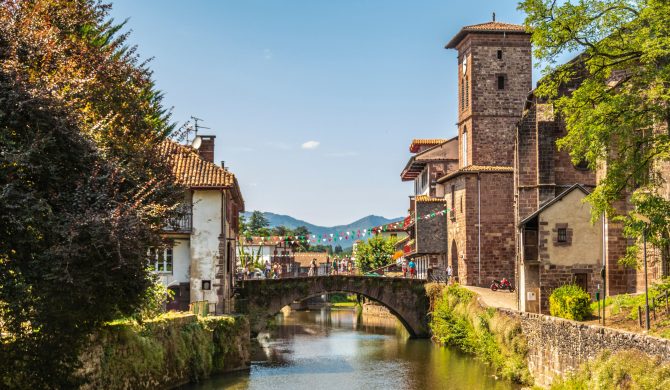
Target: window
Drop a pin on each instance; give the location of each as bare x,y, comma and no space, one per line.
463,94
467,92
562,235
452,212
206,285
160,260
500,54
424,179
464,147
501,81
582,165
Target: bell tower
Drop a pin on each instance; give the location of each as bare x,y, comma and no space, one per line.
494,79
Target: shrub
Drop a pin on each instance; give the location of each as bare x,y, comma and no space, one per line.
570,302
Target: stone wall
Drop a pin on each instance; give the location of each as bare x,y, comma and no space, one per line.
557,346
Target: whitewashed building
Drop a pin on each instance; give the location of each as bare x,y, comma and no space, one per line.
199,264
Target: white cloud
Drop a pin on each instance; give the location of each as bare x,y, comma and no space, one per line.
311,145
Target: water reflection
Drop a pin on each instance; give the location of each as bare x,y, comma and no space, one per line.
341,350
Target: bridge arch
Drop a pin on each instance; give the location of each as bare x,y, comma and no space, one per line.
405,298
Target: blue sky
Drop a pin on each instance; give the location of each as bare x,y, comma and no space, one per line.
314,102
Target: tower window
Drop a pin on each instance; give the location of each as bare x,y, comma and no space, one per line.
500,54
501,81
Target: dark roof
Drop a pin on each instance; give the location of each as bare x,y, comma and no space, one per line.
486,28
551,202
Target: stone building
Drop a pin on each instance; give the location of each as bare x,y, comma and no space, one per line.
542,175
425,242
494,78
199,265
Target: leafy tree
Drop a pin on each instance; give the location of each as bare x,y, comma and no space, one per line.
375,253
83,187
257,224
338,249
617,113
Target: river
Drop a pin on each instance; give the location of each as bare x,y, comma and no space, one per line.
335,349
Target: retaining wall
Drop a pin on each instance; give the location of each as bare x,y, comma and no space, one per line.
557,346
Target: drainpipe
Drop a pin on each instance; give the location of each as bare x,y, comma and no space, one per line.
479,231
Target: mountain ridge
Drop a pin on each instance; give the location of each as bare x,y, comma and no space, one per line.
291,222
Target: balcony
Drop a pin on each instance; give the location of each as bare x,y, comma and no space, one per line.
409,248
180,220
409,221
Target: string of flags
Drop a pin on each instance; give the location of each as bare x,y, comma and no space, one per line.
343,235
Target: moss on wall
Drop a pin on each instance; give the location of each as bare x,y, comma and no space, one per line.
167,351
459,321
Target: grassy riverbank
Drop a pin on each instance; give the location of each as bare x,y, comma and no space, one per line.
459,321
166,351
624,370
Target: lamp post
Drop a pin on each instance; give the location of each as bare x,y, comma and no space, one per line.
646,289
644,260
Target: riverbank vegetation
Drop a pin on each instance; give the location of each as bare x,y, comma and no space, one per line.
623,370
165,351
459,321
83,187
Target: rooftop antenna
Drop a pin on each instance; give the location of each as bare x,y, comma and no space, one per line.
494,19
197,141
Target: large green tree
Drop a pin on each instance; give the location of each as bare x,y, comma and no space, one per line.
258,224
374,253
613,98
83,187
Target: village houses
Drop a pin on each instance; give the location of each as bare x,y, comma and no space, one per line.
199,262
515,203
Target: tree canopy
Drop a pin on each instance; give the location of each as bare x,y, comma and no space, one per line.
83,188
374,253
613,98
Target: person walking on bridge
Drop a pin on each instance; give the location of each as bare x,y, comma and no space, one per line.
335,264
312,268
412,269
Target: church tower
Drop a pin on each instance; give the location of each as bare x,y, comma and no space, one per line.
494,79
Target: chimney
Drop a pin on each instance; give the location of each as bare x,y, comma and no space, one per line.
206,150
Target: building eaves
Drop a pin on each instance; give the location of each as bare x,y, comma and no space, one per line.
476,169
428,199
486,28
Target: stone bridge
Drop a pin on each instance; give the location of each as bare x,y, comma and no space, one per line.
405,298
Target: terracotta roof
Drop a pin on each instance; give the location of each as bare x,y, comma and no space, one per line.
475,169
414,146
428,199
191,170
305,258
257,241
488,27
443,151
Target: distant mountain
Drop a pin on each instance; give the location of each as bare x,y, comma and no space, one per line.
292,223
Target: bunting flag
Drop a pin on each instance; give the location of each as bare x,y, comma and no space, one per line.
344,235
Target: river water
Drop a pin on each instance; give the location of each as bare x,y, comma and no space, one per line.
336,349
